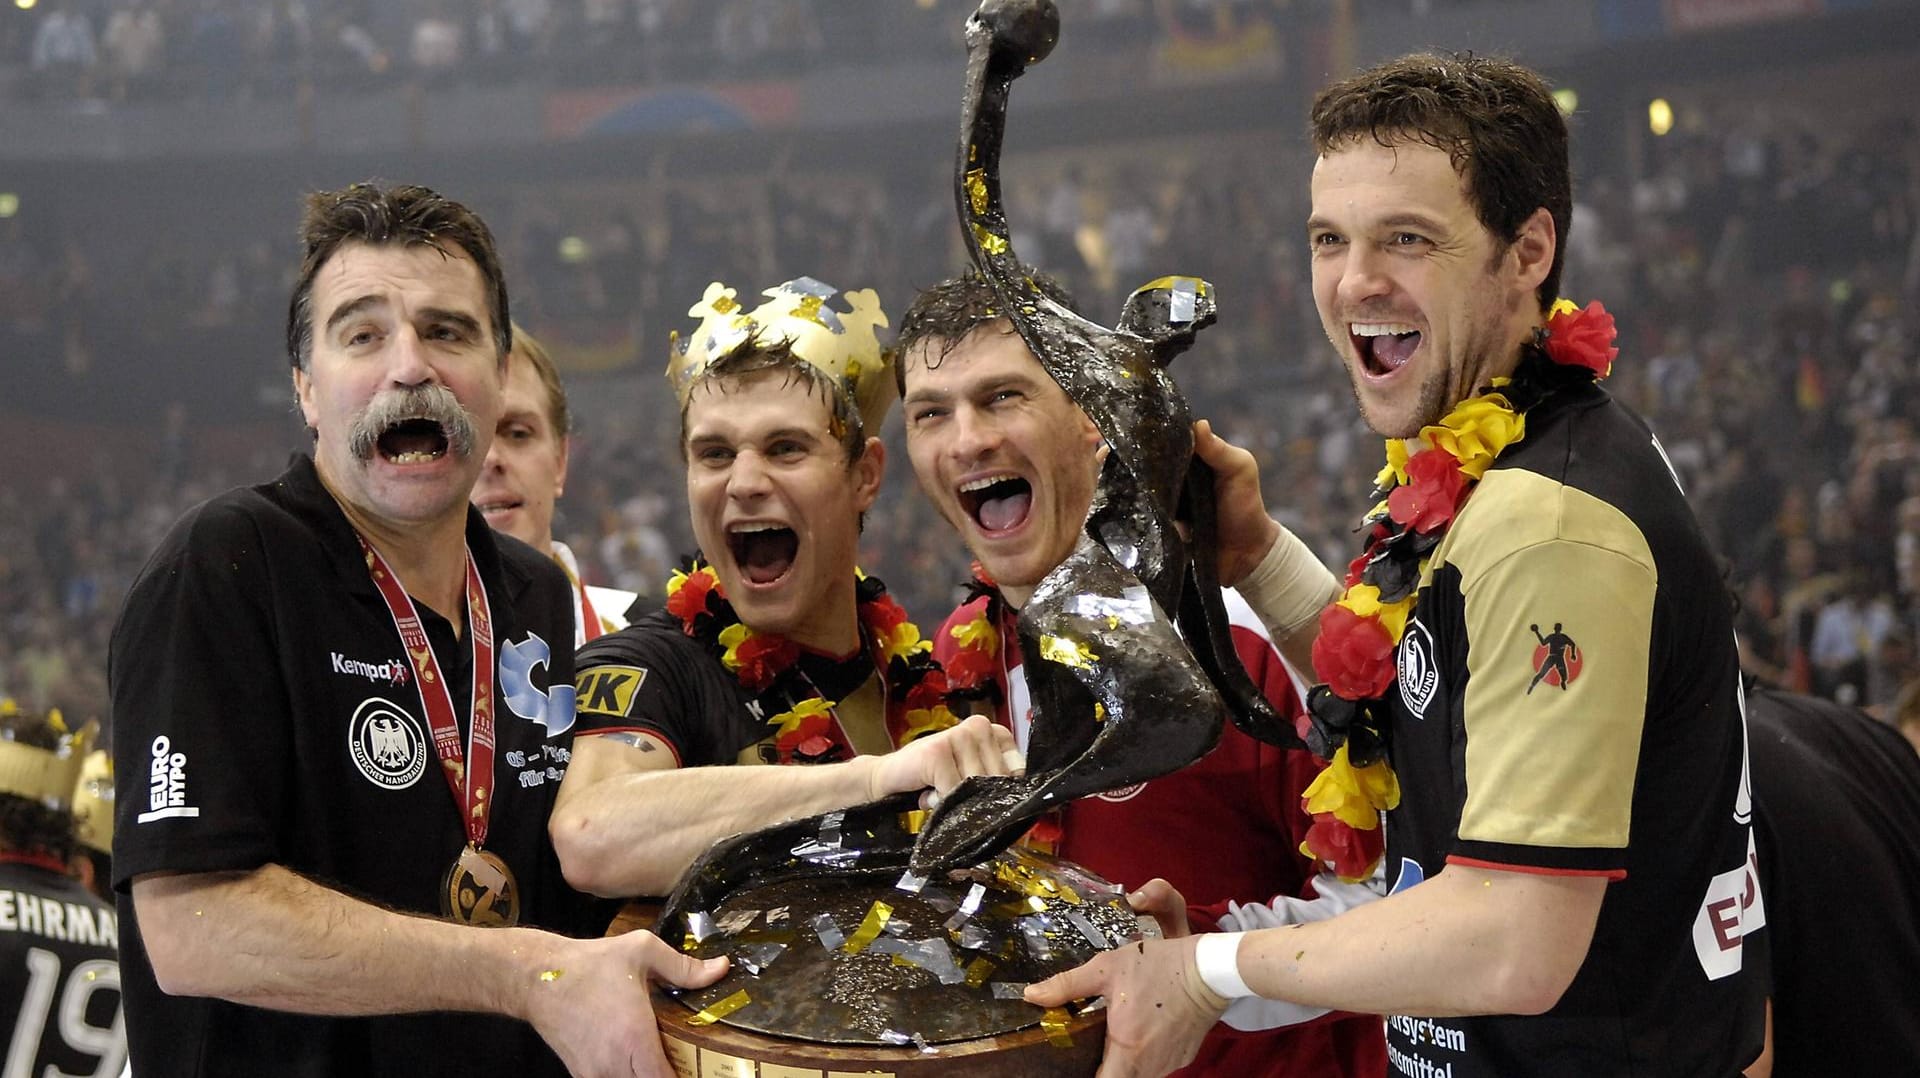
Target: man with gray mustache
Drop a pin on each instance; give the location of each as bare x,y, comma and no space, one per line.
344,706
431,404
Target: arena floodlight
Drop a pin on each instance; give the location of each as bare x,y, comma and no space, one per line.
1659,116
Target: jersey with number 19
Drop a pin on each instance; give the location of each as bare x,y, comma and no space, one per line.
59,976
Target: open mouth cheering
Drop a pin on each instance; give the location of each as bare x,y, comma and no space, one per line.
412,426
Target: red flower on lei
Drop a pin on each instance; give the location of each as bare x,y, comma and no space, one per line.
1582,337
1351,851
689,599
763,658
1432,494
1353,654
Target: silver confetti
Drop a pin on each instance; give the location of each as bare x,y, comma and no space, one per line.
830,935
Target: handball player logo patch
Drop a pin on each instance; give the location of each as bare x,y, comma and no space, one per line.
1556,660
387,744
1418,677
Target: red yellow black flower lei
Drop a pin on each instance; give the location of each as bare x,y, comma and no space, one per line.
976,658
1418,497
916,686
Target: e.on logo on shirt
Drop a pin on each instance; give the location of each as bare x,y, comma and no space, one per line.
167,784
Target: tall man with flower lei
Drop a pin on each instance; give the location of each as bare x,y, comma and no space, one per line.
773,647
1570,853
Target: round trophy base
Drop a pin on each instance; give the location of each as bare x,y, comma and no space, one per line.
719,1050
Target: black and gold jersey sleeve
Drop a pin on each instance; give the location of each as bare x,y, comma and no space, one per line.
1557,591
652,678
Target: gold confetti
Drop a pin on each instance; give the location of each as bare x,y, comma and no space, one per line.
989,242
551,975
1055,1023
713,1012
977,189
870,928
978,971
913,820
1067,652
809,309
1200,287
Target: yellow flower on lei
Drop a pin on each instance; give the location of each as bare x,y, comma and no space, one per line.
1475,432
1355,795
731,638
1395,472
789,721
923,721
903,640
978,633
1364,600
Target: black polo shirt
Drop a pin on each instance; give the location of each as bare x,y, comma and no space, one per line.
265,713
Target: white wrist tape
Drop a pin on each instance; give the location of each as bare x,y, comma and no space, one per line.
1289,587
1217,957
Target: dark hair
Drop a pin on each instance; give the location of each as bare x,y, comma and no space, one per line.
406,215
948,311
27,825
528,347
754,357
1496,120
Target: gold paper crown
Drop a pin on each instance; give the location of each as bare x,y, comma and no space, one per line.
841,343
93,802
45,776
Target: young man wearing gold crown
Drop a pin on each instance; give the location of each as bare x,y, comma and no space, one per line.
773,647
1532,667
59,970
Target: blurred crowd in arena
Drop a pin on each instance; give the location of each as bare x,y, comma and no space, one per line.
145,50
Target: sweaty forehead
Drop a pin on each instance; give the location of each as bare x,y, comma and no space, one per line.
1364,175
748,408
991,350
410,275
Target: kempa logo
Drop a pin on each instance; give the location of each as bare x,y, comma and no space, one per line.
1418,678
167,785
393,671
387,744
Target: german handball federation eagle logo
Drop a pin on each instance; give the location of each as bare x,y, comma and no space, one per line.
387,744
1556,660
